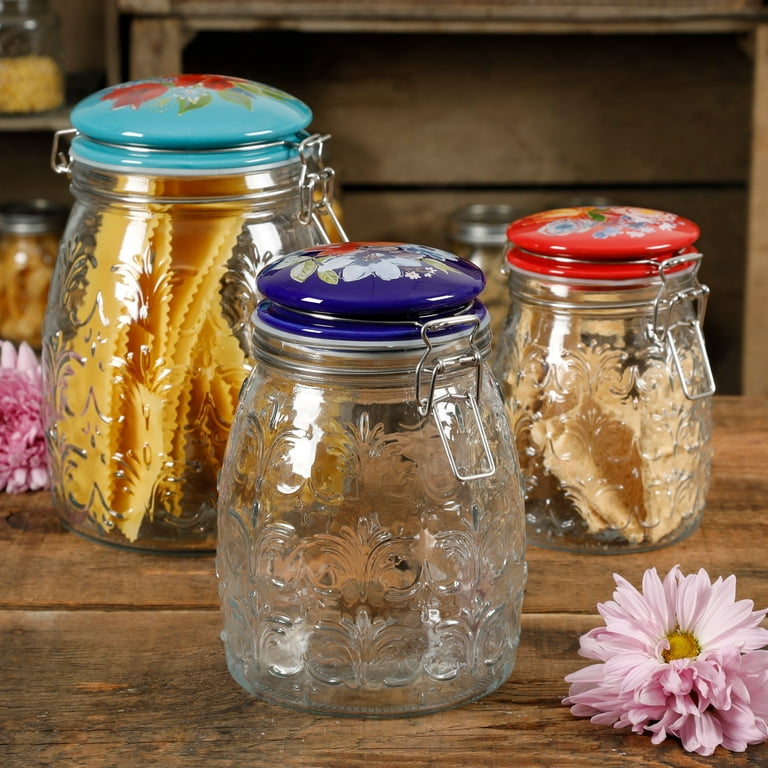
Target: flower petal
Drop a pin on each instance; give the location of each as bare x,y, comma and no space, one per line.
719,696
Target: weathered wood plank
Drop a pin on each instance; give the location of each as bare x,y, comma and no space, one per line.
519,110
157,47
755,358
461,14
144,682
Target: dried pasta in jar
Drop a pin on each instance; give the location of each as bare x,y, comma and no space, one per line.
606,377
146,342
29,241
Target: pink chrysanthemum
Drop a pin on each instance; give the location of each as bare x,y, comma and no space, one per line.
23,462
683,658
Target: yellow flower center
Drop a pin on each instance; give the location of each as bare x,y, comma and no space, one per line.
682,645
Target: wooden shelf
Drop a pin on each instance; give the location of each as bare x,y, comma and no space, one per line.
48,121
459,15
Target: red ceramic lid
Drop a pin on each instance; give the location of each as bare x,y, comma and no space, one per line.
601,243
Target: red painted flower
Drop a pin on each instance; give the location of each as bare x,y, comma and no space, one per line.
133,95
213,82
194,91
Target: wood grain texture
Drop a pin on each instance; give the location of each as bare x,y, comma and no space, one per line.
518,110
755,360
96,689
462,15
113,658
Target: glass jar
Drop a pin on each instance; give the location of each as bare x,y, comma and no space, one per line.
29,240
371,534
31,78
478,232
184,188
606,377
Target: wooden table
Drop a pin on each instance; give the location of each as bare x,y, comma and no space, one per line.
111,658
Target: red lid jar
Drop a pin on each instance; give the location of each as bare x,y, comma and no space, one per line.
611,244
606,377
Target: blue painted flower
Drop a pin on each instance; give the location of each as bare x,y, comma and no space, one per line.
564,227
605,232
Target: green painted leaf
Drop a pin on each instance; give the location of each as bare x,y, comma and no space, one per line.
302,271
187,105
237,97
437,264
329,276
259,89
596,215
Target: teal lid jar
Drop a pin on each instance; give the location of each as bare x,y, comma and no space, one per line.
185,187
189,123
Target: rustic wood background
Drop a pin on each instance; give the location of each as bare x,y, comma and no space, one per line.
425,123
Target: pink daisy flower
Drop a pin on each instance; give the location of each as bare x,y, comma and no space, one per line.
683,658
23,461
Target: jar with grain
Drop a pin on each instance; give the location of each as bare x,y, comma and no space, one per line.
185,187
371,535
31,75
606,377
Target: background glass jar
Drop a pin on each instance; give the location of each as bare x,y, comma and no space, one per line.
606,377
29,241
371,535
147,335
31,77
478,232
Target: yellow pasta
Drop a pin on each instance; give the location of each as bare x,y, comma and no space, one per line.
162,368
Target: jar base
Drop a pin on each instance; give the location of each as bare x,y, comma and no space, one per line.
610,542
306,695
206,546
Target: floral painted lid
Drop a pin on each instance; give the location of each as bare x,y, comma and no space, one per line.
197,122
602,243
364,292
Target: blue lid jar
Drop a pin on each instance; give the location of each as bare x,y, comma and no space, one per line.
370,294
194,123
371,489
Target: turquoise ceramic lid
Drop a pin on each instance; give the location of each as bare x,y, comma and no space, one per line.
188,122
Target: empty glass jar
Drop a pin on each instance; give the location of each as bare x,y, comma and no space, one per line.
371,535
478,232
606,378
185,187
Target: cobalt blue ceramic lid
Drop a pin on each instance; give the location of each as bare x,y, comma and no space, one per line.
367,292
194,122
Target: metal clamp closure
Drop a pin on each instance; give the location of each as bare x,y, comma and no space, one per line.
456,414
684,335
61,162
316,177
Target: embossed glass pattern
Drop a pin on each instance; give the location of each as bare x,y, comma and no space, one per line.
146,344
358,574
608,390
